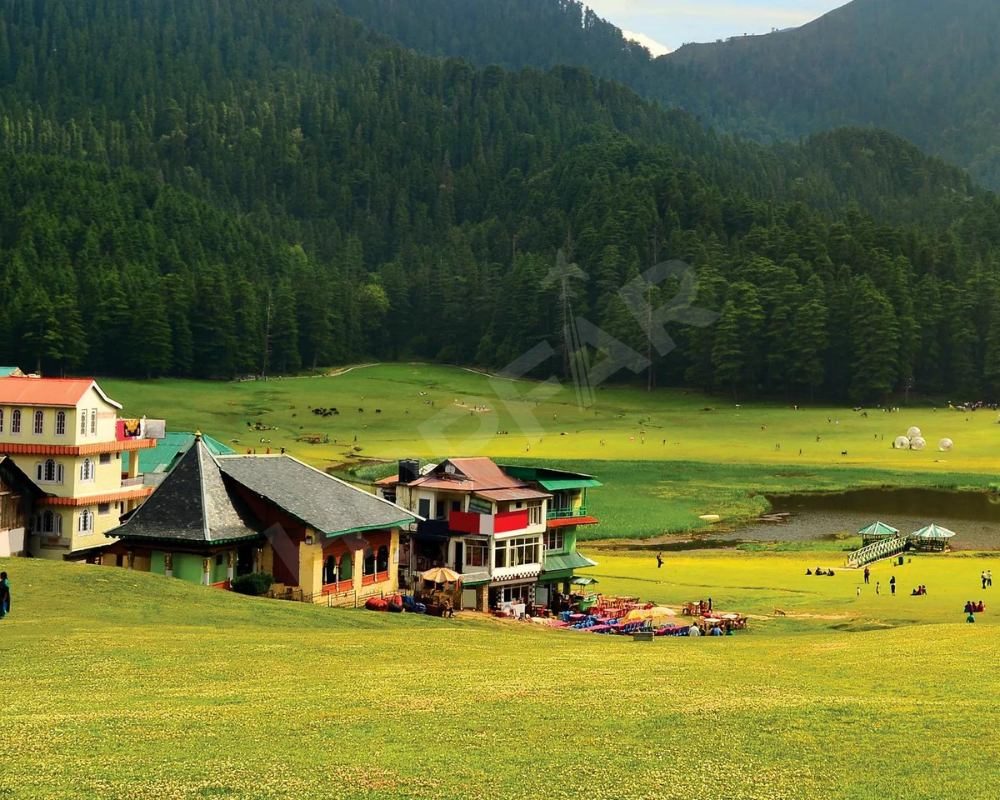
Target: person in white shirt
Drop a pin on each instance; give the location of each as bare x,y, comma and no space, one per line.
694,631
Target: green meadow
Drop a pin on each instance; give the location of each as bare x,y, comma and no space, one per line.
127,685
666,457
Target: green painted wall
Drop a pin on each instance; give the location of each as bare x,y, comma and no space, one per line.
219,571
187,567
156,563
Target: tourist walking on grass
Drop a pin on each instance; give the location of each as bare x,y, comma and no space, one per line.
989,578
892,585
877,585
4,595
868,573
982,578
659,560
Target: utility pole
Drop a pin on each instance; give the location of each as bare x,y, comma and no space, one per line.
649,316
267,337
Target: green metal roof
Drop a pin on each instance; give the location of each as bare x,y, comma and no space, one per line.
551,479
878,529
568,483
163,457
567,561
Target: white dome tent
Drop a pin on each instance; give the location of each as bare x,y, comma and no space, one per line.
945,445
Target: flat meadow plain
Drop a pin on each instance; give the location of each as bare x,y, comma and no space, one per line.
666,457
128,685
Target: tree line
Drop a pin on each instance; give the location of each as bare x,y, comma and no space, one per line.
240,186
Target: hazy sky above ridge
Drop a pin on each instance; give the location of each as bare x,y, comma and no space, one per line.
667,24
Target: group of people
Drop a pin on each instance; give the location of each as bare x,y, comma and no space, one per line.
4,595
920,591
986,578
972,607
820,571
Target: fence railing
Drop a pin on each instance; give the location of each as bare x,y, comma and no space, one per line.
876,551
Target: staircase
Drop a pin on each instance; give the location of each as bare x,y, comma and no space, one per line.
877,551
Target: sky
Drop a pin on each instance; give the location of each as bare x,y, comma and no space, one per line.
664,25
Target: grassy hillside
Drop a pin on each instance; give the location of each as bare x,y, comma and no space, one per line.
123,685
665,458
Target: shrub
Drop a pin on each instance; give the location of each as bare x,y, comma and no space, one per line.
256,584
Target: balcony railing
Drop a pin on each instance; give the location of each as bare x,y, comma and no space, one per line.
128,483
487,524
566,513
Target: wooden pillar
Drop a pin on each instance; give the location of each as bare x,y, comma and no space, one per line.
230,565
206,571
394,559
168,564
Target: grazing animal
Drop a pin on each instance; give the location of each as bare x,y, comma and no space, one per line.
779,613
378,410
361,411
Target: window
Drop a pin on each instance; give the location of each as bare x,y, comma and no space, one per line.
441,507
15,421
1,420
515,594
39,423
523,551
369,566
554,540
475,554
382,559
500,555
87,470
83,421
104,508
424,507
60,423
49,471
86,524
93,421
218,559
47,522
535,514
105,458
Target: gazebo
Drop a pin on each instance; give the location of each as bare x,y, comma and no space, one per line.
876,532
932,538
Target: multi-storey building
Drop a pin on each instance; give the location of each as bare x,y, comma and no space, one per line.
485,523
65,435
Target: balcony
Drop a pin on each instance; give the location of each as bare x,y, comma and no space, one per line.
432,527
487,524
566,513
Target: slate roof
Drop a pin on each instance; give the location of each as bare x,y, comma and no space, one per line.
192,505
322,502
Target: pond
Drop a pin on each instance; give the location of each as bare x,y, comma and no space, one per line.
973,516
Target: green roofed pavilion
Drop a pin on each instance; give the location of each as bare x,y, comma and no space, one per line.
878,530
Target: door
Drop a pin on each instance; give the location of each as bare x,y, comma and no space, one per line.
459,555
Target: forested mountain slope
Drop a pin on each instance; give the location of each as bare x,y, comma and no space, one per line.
925,69
404,206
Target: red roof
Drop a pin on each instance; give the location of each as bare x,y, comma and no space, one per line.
563,522
47,391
